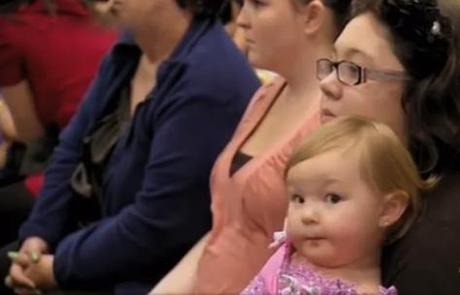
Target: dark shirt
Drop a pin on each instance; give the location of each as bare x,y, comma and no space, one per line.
156,199
427,260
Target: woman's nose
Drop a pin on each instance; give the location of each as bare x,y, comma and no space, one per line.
242,20
331,87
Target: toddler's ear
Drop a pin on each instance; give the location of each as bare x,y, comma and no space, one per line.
394,205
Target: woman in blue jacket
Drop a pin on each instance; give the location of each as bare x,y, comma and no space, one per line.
126,194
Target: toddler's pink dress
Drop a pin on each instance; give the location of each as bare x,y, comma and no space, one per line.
280,276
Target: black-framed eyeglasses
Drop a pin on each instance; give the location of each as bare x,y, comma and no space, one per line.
351,74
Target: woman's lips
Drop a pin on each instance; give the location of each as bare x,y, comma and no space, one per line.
327,115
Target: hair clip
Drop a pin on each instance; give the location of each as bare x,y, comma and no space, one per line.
436,28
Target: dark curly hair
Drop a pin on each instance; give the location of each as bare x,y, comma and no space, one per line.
425,37
341,9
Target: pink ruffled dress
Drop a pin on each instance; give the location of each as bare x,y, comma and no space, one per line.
280,276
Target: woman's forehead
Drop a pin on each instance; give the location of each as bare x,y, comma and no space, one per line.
368,40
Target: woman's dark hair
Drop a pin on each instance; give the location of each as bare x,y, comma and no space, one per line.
341,9
11,6
425,37
226,14
203,8
226,11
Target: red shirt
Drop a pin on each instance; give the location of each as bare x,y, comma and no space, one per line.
57,54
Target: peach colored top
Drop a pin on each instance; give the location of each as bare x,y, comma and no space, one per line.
249,206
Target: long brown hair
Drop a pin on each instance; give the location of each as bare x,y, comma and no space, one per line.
426,39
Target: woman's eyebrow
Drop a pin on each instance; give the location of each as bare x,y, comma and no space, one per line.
350,52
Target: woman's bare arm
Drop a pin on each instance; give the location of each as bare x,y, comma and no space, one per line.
23,125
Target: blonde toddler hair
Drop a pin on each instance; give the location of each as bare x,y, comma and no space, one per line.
385,163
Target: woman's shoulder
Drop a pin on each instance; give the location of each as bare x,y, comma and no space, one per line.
206,45
213,64
268,91
271,87
263,96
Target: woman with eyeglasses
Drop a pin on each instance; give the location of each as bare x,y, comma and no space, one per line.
406,73
247,183
127,191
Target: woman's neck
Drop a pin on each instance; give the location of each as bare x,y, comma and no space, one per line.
158,43
300,68
300,76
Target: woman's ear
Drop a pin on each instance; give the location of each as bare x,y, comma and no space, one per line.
313,16
394,206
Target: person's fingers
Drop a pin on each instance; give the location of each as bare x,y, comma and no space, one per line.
8,282
25,291
35,256
20,258
12,255
19,279
21,291
34,244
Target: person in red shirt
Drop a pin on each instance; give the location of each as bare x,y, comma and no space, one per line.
50,51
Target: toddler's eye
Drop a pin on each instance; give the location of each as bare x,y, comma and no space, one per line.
333,198
295,198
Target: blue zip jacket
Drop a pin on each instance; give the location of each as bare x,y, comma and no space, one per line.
156,198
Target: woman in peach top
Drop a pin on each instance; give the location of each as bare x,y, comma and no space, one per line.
248,196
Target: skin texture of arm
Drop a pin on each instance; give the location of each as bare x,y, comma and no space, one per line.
7,129
24,125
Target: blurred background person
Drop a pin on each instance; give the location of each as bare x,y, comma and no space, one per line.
127,191
49,52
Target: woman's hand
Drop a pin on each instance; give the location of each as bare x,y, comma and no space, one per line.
23,263
42,273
